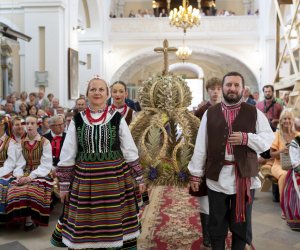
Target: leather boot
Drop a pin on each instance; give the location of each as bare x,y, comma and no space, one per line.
205,233
237,243
275,192
217,244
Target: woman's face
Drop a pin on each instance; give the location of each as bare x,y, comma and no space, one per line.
23,107
287,121
31,126
97,93
118,93
32,110
32,98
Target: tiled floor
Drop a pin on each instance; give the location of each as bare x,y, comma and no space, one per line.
269,230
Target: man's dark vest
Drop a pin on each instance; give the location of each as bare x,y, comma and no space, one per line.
217,132
50,138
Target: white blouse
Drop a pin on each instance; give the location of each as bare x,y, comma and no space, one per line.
14,152
70,146
294,151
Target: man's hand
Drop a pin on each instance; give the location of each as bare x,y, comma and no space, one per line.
142,188
194,186
235,138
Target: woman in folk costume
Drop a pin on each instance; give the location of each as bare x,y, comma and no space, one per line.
9,153
283,137
95,177
29,196
290,202
119,94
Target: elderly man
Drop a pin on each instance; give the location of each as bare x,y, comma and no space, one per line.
80,104
56,136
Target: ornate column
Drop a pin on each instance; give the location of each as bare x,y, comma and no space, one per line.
120,8
248,7
169,5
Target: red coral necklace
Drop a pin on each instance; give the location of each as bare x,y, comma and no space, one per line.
93,120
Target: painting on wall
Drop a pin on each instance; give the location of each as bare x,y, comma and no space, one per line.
73,74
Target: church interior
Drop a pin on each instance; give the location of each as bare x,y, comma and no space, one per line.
57,46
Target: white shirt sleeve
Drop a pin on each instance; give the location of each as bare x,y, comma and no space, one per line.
262,140
69,150
197,164
128,147
20,161
10,162
45,163
294,151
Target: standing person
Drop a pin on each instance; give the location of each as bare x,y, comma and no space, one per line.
290,202
231,134
119,94
247,96
42,100
29,196
270,107
95,176
214,91
9,154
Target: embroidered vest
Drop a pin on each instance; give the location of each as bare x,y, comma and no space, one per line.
32,154
98,143
217,131
3,150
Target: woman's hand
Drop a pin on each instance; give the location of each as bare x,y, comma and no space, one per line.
64,195
142,188
24,180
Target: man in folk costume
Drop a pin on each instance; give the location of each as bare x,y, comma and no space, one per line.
56,136
231,134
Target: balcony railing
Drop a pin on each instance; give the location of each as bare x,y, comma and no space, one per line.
212,25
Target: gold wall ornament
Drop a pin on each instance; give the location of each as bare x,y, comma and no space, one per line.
165,130
185,17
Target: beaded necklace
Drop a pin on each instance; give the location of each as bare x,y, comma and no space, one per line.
93,120
124,109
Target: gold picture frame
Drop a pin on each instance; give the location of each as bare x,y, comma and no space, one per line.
73,74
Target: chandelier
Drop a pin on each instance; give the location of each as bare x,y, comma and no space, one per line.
185,17
183,53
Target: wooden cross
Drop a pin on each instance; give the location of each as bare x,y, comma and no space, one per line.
166,49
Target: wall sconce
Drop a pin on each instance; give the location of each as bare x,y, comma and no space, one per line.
79,29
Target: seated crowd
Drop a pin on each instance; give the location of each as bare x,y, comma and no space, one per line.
32,133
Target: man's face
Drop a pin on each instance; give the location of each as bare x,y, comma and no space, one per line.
58,127
18,128
41,94
55,103
214,93
9,107
232,89
81,105
268,93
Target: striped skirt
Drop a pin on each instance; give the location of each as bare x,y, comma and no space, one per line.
101,212
290,201
4,183
32,199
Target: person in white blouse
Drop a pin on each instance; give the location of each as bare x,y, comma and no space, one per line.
97,162
9,153
29,196
231,134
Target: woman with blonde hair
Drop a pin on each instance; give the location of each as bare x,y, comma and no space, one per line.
283,138
95,171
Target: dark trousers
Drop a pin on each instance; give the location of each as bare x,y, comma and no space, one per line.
222,216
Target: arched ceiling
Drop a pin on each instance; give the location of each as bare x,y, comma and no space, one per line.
213,64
